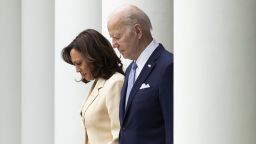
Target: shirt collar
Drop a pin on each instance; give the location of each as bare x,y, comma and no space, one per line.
144,56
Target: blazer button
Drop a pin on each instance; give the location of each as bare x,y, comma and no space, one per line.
123,128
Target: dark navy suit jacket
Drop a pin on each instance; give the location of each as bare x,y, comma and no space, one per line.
148,117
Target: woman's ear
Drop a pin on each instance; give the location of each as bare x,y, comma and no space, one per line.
138,30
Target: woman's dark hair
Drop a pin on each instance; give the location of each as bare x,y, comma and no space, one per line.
97,51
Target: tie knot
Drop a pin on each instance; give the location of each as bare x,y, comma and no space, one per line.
134,66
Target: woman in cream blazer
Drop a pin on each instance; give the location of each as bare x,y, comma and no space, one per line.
94,58
100,111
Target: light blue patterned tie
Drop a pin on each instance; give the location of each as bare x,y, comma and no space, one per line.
131,81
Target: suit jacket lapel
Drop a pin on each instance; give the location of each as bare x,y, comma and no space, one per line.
148,67
94,94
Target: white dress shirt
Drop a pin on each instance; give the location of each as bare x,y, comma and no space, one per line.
144,56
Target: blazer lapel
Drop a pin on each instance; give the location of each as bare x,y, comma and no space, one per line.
148,67
93,95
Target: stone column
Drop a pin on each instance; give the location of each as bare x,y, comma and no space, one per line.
37,86
10,71
215,83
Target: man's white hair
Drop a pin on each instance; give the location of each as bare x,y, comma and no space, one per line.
133,15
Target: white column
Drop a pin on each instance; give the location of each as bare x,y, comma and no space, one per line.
37,124
71,18
215,82
10,77
160,14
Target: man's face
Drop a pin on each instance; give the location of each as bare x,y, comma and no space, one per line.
123,38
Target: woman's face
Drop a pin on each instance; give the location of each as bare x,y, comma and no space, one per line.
81,65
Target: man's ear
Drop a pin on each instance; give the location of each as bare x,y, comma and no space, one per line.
138,30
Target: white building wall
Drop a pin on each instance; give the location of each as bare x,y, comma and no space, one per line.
214,72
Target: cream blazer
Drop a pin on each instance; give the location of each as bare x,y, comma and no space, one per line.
100,111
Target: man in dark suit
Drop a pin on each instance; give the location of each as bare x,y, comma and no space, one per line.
146,106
